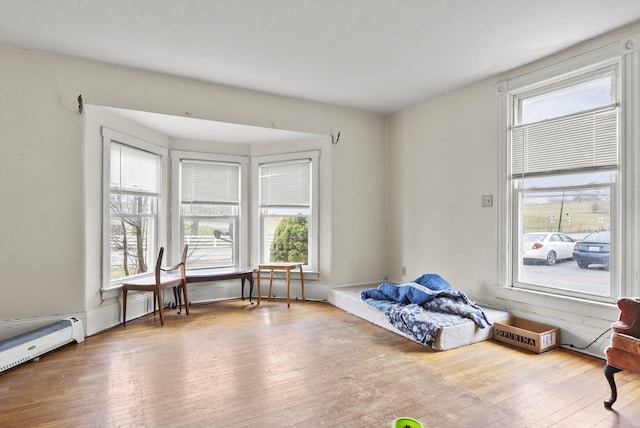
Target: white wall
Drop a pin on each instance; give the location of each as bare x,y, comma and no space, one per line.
48,218
441,160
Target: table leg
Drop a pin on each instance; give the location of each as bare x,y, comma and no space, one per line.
302,283
250,287
258,286
288,285
270,284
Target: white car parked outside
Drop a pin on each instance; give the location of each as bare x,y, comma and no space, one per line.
547,247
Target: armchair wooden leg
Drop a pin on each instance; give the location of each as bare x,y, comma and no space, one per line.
178,298
158,294
609,371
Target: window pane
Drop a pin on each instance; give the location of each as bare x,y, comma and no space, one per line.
576,98
210,232
577,142
210,182
286,184
133,169
133,225
557,214
286,239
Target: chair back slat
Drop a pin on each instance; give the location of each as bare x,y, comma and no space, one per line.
183,264
159,265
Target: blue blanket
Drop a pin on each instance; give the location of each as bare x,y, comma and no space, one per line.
420,311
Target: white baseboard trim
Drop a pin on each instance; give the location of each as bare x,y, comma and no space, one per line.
110,315
139,304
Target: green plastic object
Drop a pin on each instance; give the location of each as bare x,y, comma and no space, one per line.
406,423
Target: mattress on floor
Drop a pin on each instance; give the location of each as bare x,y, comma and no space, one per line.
348,299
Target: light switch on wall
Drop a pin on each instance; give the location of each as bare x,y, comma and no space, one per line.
487,200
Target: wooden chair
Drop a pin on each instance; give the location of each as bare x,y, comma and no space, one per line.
159,282
624,351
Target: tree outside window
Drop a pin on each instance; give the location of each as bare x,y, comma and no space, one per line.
291,241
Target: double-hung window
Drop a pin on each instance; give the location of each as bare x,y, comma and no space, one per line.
561,149
209,197
132,183
287,205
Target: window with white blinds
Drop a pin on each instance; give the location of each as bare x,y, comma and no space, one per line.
286,194
576,142
133,218
210,212
563,169
285,208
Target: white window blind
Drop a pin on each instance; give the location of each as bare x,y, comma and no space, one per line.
286,184
133,170
577,142
210,182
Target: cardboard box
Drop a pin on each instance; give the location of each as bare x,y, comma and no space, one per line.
526,334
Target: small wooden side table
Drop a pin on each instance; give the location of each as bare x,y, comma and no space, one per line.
285,267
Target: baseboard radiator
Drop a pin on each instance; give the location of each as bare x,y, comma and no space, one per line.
28,346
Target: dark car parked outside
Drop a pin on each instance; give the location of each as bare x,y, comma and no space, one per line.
594,249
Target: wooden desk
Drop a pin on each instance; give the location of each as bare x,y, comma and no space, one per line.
285,267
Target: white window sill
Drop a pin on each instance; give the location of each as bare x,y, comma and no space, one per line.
571,305
111,292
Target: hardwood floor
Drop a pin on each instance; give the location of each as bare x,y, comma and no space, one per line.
230,364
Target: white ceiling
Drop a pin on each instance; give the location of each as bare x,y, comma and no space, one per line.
379,56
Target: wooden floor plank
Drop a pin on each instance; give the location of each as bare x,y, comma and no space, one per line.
232,364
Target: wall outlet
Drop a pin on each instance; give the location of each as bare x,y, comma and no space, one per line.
487,200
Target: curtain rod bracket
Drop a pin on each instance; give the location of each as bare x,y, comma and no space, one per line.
335,139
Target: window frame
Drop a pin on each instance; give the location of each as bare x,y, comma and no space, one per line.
110,136
177,156
256,221
625,53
